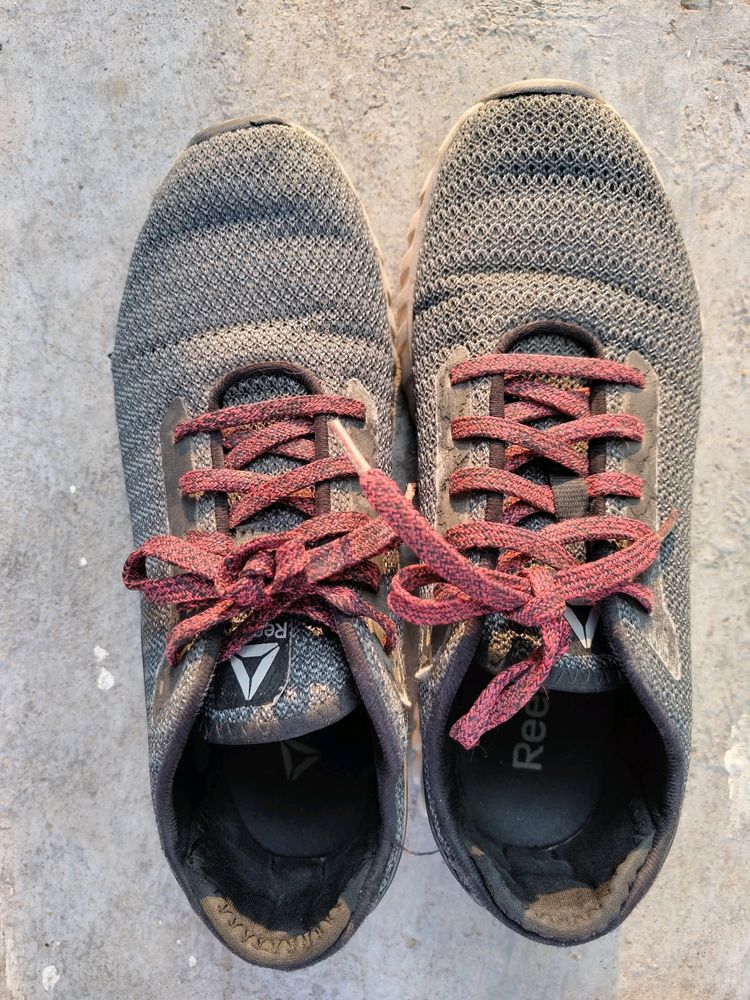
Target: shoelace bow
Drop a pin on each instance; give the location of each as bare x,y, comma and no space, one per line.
536,574
311,570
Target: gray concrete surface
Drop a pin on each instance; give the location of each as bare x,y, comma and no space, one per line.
96,100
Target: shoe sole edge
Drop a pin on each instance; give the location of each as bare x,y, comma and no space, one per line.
236,125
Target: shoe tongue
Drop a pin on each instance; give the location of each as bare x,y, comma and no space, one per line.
294,677
291,680
588,666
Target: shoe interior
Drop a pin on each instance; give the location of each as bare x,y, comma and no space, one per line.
559,805
281,830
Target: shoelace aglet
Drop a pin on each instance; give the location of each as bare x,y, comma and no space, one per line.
355,456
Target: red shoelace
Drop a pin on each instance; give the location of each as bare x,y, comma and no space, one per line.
314,570
536,573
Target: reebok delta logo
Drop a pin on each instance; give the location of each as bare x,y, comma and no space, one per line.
261,667
297,757
583,619
264,653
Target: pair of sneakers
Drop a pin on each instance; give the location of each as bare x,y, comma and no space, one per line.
549,338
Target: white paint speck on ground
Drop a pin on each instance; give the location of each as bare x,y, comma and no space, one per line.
737,766
72,489
100,653
50,978
83,561
105,680
192,961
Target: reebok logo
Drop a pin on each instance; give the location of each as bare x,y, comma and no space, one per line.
528,752
263,653
583,619
297,757
262,668
275,630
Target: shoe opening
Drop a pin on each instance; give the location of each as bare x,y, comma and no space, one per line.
559,806
278,837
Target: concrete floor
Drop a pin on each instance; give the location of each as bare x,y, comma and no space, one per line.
96,101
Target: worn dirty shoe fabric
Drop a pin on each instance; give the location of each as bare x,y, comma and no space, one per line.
254,313
550,320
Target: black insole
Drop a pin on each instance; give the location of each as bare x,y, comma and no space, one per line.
535,781
307,797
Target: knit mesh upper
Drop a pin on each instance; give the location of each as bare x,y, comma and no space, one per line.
255,249
547,207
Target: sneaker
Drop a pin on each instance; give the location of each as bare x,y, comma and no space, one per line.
254,313
551,324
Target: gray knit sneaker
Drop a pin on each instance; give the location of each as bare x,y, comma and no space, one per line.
550,319
254,311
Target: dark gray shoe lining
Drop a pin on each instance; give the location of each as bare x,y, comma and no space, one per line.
558,849
550,896
279,850
536,781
